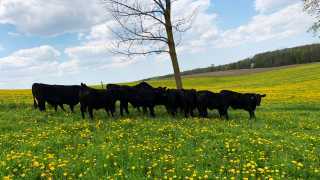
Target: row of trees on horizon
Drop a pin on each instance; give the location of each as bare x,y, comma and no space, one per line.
297,55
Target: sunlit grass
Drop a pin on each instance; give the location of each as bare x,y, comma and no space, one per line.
283,143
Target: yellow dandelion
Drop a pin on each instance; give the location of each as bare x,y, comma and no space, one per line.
6,178
35,164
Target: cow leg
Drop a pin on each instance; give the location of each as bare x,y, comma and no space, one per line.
223,112
145,110
186,112
90,113
61,106
35,105
220,113
107,110
173,112
83,110
226,114
205,112
191,112
151,108
71,108
121,108
56,107
112,111
126,107
42,105
252,115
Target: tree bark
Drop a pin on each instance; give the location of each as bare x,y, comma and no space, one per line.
172,46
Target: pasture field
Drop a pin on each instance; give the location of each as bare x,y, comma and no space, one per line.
283,142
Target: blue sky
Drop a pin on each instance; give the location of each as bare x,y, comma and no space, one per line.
67,42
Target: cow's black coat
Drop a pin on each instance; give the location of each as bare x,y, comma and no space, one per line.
184,99
55,95
245,101
141,95
209,100
91,99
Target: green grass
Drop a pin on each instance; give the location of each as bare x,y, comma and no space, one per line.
283,143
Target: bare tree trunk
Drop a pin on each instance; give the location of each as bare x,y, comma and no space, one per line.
172,46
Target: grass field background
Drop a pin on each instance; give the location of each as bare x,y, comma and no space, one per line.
283,143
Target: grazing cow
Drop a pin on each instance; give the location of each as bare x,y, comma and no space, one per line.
246,101
185,99
95,99
209,100
55,95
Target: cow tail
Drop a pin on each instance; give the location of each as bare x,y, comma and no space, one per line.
35,104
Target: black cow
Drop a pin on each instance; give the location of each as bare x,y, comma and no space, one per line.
188,101
173,101
245,101
184,99
121,93
134,95
96,99
55,95
209,100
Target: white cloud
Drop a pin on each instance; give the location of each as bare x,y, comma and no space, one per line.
28,65
51,17
14,34
204,35
95,50
272,5
284,23
1,48
275,20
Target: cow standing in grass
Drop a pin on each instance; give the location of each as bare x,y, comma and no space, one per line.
183,99
91,99
209,100
245,101
55,95
141,95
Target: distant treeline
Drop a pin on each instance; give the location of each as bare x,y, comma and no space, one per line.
297,55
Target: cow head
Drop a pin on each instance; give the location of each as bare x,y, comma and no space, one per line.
258,98
83,85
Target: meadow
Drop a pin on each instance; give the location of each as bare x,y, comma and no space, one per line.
283,142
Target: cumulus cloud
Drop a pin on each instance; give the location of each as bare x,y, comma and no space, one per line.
95,51
28,65
51,17
204,35
275,20
265,6
287,22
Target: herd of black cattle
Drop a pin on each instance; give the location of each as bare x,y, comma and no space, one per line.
142,96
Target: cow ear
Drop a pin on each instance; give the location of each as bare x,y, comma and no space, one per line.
263,95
